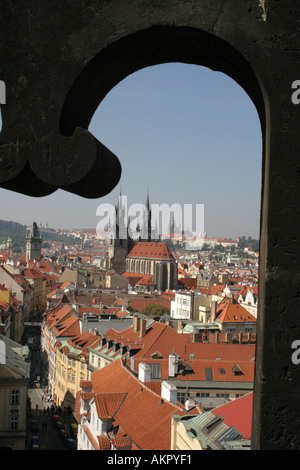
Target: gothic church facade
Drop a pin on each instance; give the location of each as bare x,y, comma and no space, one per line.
146,255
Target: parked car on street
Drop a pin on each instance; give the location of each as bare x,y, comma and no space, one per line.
63,434
70,443
35,443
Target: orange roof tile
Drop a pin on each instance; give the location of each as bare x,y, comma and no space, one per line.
103,442
108,405
159,250
238,413
143,416
231,311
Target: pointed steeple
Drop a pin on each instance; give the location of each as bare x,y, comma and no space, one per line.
149,217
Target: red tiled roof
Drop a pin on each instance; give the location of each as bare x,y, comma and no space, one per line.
238,413
147,280
33,273
57,315
245,289
83,341
123,313
221,351
121,442
120,302
103,442
231,311
212,290
108,404
162,339
199,370
187,282
68,327
143,416
159,250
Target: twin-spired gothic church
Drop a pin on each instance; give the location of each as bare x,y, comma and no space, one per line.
146,255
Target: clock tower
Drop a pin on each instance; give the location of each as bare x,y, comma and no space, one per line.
33,243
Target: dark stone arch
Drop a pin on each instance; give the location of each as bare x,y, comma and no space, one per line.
153,46
46,52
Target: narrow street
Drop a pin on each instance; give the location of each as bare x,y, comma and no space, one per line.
44,420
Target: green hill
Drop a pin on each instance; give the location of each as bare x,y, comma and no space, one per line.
14,230
17,232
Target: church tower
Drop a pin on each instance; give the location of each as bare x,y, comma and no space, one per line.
120,243
33,243
146,233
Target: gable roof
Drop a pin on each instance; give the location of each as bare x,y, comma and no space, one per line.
231,311
155,250
108,404
142,415
57,316
68,327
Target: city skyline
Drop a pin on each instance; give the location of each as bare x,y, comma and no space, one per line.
190,135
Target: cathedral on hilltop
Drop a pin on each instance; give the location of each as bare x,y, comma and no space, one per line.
146,255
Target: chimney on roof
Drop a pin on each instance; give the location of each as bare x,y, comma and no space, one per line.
229,337
136,323
213,309
144,372
169,392
173,365
179,326
142,327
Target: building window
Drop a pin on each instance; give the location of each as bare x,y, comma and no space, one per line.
14,398
155,370
14,423
182,396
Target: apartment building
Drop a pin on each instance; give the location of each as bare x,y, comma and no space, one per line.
71,367
14,380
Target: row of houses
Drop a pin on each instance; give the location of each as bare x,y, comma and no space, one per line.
116,410
23,289
177,374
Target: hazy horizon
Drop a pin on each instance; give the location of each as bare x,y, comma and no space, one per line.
190,135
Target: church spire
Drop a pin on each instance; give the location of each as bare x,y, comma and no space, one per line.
149,217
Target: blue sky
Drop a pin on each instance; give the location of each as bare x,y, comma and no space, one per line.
191,135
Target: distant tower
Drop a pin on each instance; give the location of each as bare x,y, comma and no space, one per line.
172,227
146,234
33,243
120,242
9,244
